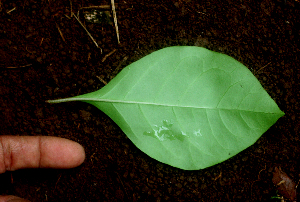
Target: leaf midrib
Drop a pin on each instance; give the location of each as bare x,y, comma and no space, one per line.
146,103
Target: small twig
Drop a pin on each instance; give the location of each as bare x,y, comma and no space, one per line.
87,32
109,54
89,56
61,34
41,41
71,8
28,50
262,67
297,184
115,19
258,178
281,182
11,10
202,13
220,175
104,82
19,66
101,7
57,182
119,66
67,16
122,185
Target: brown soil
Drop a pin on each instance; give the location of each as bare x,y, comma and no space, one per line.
38,63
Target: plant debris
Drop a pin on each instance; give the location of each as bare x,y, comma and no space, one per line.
97,16
285,185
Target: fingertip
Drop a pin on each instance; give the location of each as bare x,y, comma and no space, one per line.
75,153
61,153
17,152
79,154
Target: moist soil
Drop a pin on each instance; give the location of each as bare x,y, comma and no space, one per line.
46,54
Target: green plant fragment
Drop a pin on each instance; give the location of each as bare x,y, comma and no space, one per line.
188,107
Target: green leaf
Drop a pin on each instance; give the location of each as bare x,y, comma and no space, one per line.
188,107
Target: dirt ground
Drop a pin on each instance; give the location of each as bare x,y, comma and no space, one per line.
46,54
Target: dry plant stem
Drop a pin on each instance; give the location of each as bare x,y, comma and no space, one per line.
202,13
68,16
109,54
71,8
87,32
11,10
101,7
115,19
116,71
220,175
104,82
57,182
19,66
61,34
41,41
262,68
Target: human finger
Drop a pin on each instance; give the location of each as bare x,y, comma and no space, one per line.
17,152
12,199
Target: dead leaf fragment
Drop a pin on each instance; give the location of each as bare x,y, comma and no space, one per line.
285,185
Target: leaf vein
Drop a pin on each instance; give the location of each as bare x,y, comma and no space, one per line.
212,132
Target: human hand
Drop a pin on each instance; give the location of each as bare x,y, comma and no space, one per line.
17,152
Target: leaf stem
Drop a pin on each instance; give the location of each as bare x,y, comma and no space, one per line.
65,100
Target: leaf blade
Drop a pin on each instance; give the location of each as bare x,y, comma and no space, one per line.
187,106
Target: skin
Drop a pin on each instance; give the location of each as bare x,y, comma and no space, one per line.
18,152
